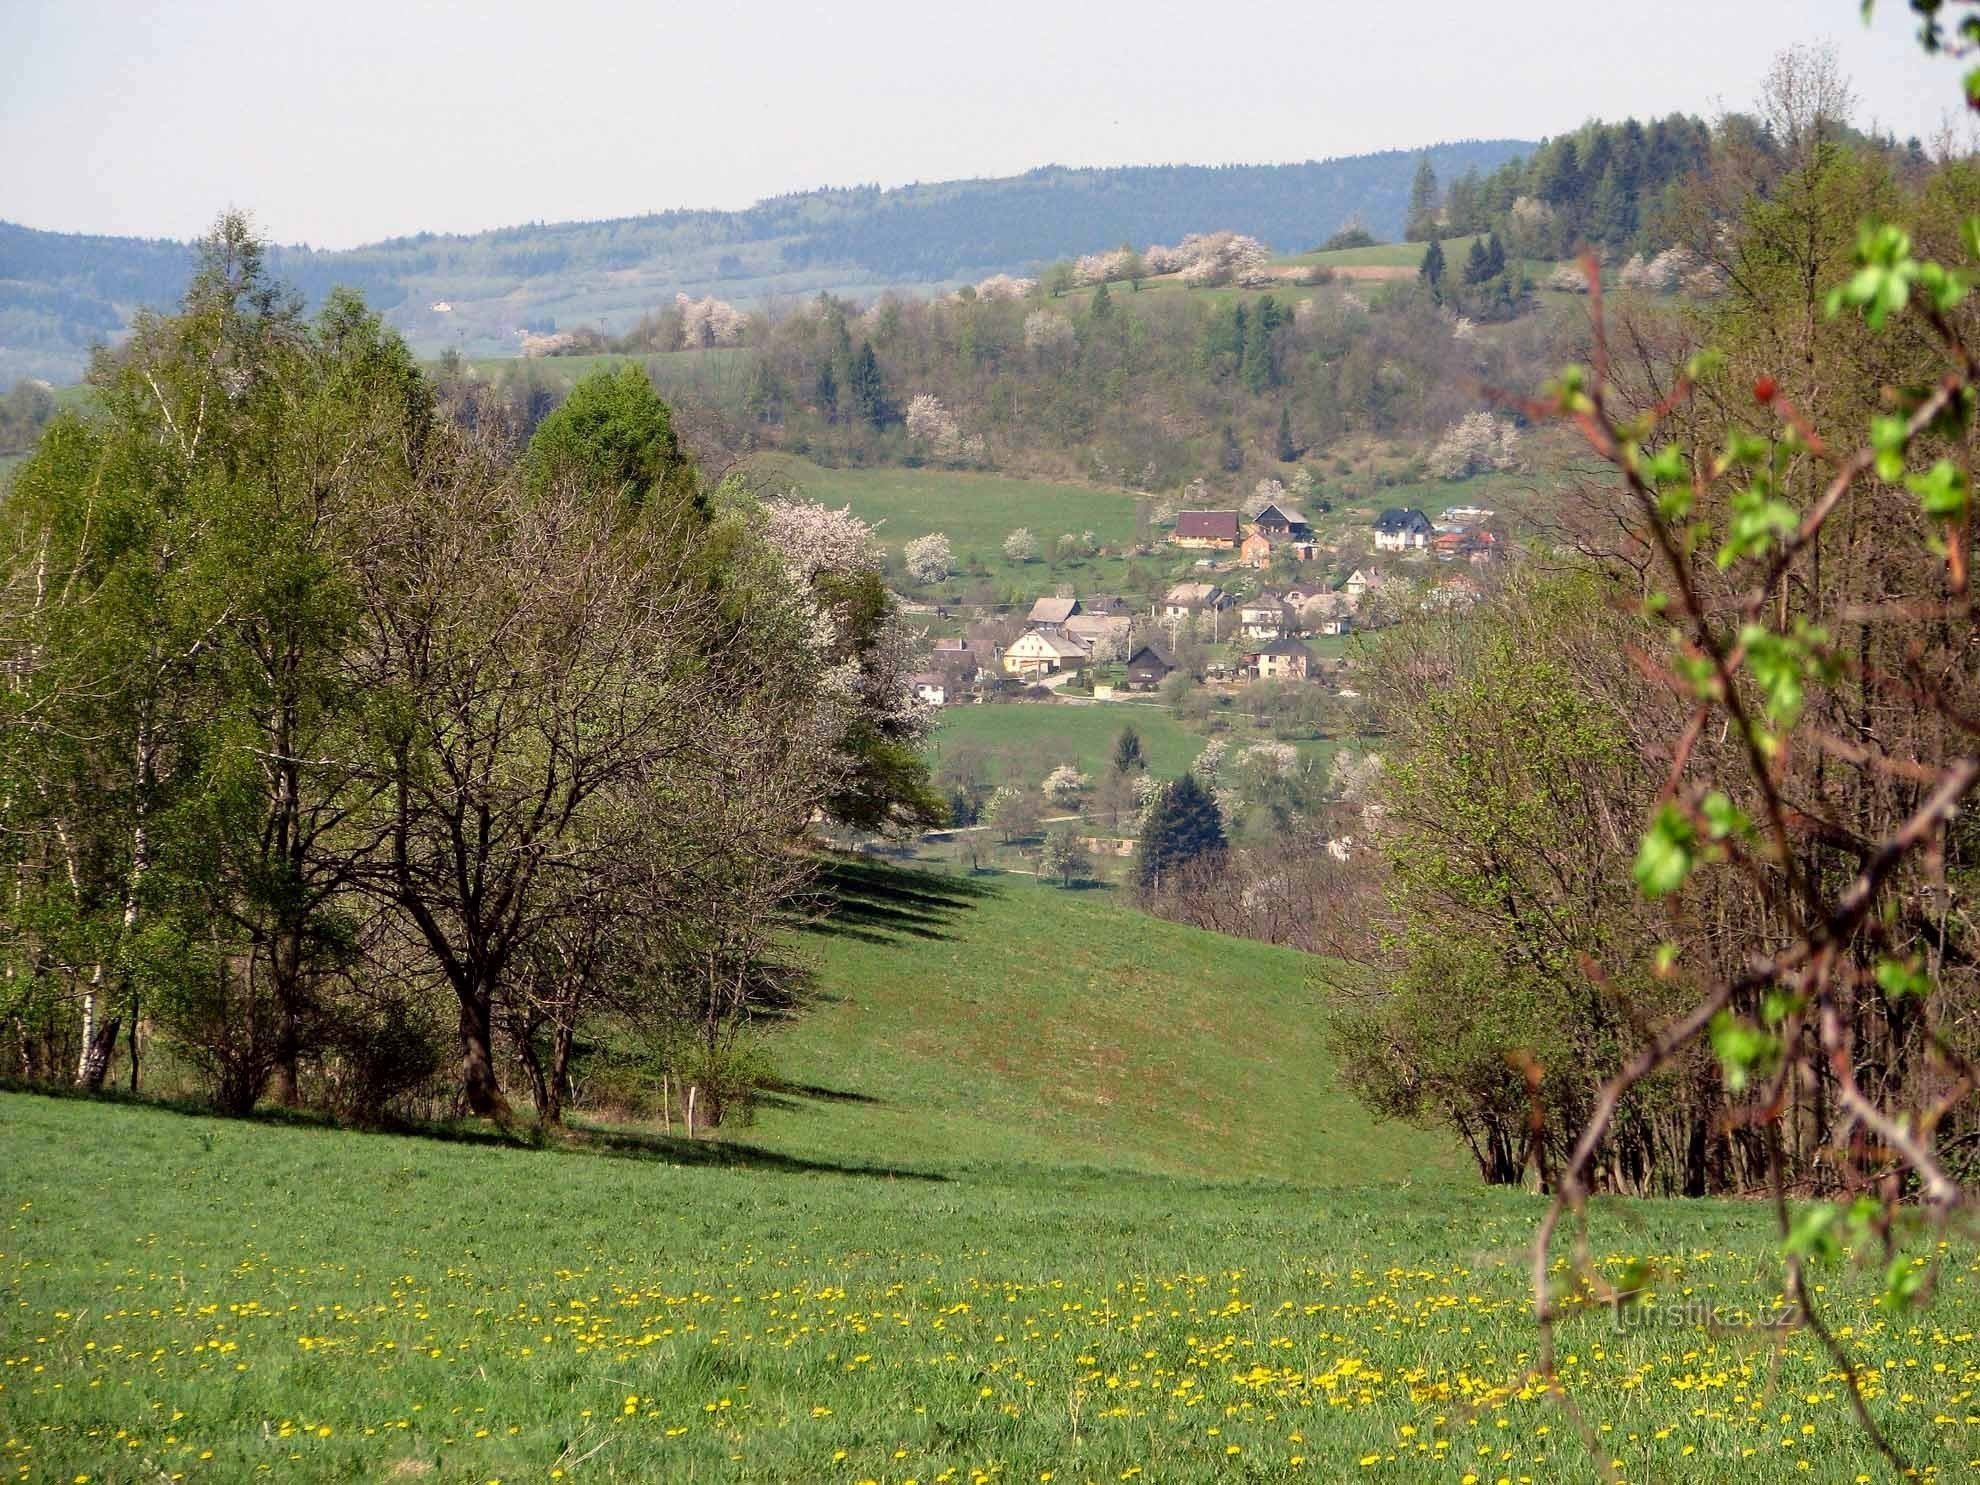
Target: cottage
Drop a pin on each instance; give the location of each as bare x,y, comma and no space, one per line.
1093,630
1282,523
1214,529
1148,667
1264,617
930,687
1403,529
1050,614
1194,598
1255,550
1037,652
1282,660
1361,584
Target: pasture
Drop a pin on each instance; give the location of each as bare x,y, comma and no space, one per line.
1055,1194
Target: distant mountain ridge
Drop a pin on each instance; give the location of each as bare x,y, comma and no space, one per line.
61,292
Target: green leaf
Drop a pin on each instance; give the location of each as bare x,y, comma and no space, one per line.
1778,1004
1668,852
1811,1232
1723,817
1904,1282
1888,436
1741,1047
1780,665
1941,490
1758,519
1903,977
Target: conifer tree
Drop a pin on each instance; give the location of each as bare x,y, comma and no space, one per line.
1183,826
1127,751
1421,220
1287,450
1432,269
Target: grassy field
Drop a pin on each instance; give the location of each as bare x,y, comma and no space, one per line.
1060,1195
1039,737
975,511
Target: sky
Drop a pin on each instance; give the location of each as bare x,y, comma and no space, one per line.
341,123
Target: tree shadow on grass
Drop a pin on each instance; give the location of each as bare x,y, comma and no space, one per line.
884,904
574,1139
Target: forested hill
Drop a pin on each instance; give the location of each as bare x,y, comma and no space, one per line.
61,292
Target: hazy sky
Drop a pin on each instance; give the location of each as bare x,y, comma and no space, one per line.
342,122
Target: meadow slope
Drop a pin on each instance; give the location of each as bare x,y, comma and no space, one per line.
972,1244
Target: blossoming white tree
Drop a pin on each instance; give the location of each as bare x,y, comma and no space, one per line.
709,322
1475,443
1021,545
1064,785
929,558
1048,330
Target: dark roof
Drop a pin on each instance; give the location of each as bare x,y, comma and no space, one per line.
1107,603
1405,518
1219,524
1286,514
1151,652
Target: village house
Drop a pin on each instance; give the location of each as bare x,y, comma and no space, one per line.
1282,660
1255,550
1264,617
1403,530
1471,545
1211,529
1361,583
1281,523
1148,667
1036,652
1092,629
1050,614
930,687
1194,598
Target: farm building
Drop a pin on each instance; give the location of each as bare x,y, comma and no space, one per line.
1050,614
1403,530
1211,529
1037,652
1282,660
1148,667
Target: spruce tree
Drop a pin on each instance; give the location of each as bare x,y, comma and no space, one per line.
1495,255
1421,219
868,391
1127,751
1431,270
1183,826
1477,263
1231,456
1287,451
1103,303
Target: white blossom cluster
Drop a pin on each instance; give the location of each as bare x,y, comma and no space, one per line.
1208,258
1064,784
1476,442
1102,268
930,423
1275,760
1047,330
929,558
709,322
1569,278
1021,545
1148,792
1660,274
1004,286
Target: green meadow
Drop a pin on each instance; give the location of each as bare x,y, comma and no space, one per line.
1050,1193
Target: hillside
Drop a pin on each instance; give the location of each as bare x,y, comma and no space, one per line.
1017,1021
60,292
967,1246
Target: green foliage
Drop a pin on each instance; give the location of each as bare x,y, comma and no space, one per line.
615,431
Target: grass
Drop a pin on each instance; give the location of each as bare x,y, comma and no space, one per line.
975,511
1385,255
1056,1193
1036,737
